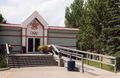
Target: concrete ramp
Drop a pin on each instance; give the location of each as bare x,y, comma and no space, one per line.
89,69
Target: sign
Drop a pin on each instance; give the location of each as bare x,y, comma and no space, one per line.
34,24
34,33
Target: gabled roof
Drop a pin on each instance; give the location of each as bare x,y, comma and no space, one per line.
34,15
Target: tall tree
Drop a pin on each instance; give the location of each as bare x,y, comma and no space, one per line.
113,41
99,24
76,16
2,20
74,13
91,18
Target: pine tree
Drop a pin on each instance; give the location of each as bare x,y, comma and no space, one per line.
113,41
2,20
95,20
99,24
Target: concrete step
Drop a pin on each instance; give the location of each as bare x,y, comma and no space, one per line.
31,60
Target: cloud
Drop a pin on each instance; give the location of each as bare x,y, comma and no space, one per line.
53,11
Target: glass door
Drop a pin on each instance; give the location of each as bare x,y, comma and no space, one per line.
30,44
33,44
37,43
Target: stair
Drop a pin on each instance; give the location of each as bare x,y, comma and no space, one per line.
28,60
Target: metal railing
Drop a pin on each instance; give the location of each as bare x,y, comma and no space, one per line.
69,55
7,49
88,56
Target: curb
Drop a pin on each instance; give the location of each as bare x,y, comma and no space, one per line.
3,69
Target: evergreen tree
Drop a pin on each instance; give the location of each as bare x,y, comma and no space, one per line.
99,24
98,16
2,20
74,13
113,41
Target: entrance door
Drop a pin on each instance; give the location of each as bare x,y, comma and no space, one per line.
33,44
30,44
37,43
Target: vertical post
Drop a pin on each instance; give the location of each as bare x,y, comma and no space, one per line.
87,59
115,67
7,53
7,49
82,64
76,55
94,57
67,55
101,62
71,56
60,55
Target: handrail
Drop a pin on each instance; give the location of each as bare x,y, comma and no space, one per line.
70,54
79,51
55,48
90,56
7,53
7,49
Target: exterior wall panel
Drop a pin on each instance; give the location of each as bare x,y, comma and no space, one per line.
62,41
62,38
11,36
62,35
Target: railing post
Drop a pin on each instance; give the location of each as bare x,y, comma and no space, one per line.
82,64
76,55
115,67
71,56
87,59
101,62
7,54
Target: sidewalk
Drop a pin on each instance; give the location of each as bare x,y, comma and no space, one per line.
43,72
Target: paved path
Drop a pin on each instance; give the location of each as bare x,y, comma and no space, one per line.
49,72
90,69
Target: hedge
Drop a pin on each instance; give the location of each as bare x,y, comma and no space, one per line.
3,62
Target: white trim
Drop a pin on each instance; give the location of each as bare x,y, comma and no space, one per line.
63,28
13,25
34,15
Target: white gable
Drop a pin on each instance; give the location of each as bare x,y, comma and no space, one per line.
34,28
34,15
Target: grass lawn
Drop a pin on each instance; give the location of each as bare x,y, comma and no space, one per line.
104,66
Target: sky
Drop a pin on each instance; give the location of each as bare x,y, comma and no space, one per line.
53,11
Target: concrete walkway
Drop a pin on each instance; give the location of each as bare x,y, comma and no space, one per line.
49,72
89,69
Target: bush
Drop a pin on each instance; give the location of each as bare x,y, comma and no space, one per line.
3,62
45,49
42,48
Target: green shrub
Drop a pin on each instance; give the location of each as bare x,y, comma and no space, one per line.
42,48
3,62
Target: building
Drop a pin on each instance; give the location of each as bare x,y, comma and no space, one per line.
35,31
